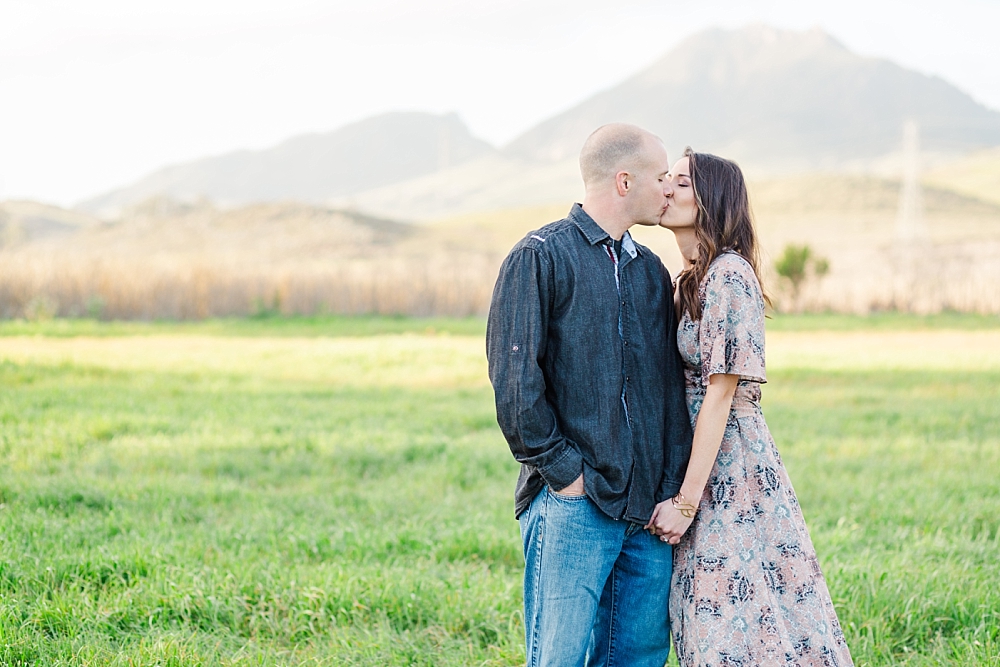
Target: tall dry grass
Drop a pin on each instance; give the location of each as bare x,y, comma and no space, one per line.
296,259
930,278
193,262
918,278
119,289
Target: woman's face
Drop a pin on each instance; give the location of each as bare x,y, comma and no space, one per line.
682,209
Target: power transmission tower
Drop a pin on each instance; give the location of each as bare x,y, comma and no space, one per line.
914,289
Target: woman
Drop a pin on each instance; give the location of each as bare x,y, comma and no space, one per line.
747,588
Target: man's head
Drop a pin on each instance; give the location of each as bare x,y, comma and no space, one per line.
624,170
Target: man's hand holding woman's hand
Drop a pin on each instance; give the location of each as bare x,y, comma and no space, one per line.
668,523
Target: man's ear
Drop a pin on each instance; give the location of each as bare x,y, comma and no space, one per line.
623,181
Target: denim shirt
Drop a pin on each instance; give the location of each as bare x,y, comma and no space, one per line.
567,338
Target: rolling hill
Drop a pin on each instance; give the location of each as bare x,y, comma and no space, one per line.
311,168
975,175
28,221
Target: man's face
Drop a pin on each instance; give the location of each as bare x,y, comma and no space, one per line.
650,186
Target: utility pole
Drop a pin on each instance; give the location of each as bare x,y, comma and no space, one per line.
910,225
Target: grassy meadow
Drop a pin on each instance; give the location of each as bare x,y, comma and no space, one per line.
335,491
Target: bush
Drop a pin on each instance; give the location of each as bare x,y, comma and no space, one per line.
797,265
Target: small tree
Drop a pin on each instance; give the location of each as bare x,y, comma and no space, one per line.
797,265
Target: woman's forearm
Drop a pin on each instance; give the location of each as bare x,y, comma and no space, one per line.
708,432
670,521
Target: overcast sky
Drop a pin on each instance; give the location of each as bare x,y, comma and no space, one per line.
96,93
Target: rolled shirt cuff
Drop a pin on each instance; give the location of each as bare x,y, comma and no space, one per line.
564,470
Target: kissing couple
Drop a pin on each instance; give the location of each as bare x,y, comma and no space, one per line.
651,498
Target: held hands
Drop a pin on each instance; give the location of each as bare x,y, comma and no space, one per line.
670,519
668,522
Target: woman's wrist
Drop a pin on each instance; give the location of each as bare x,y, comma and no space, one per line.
685,506
692,492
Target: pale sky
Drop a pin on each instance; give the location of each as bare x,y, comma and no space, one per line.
95,94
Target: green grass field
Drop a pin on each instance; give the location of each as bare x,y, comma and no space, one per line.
335,491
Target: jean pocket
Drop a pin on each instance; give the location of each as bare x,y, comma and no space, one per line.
560,496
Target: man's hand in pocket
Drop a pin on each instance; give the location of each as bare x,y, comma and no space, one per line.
574,489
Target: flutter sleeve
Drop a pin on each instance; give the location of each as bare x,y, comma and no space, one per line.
731,331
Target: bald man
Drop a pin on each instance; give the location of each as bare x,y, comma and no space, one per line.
590,396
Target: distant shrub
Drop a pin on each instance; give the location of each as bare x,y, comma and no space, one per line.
95,307
797,265
263,310
40,309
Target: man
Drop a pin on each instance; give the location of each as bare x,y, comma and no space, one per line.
590,397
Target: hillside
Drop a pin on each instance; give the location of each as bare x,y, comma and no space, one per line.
827,210
776,100
165,232
29,221
848,219
974,175
169,259
496,182
834,213
165,259
311,168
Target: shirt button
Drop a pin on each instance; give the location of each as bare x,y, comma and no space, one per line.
625,343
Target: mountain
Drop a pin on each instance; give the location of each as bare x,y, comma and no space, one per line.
312,167
776,99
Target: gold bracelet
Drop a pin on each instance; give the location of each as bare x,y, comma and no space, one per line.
683,506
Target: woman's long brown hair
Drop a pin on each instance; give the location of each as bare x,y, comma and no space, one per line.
724,223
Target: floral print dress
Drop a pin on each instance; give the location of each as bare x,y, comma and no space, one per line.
747,588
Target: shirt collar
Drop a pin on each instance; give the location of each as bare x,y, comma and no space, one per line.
628,245
590,229
595,234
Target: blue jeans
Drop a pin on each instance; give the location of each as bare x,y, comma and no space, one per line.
595,589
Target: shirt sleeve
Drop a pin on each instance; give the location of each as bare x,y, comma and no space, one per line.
515,348
731,331
677,432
